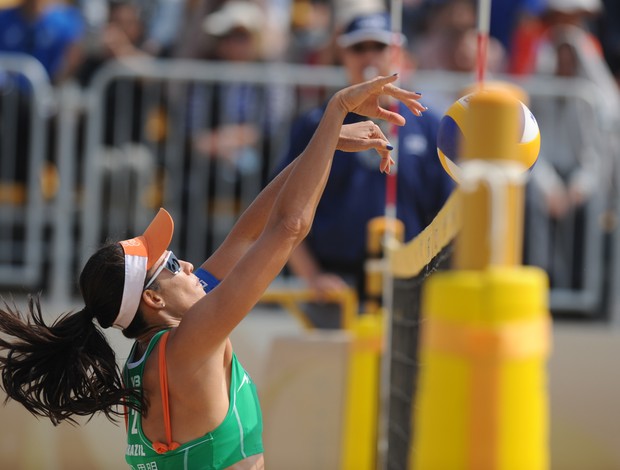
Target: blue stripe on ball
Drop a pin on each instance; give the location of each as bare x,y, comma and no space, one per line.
449,136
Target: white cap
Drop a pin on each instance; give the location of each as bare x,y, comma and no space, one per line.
234,14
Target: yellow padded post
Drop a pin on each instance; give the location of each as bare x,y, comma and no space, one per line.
482,402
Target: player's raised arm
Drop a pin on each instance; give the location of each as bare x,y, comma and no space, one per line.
351,138
289,218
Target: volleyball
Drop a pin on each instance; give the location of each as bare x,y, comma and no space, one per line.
451,135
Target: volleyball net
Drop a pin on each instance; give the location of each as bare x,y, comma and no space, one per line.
426,254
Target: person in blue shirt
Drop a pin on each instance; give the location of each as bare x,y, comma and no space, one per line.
333,255
47,30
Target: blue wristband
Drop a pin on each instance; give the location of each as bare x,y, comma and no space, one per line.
207,280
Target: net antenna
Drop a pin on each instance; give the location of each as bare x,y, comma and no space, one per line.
483,27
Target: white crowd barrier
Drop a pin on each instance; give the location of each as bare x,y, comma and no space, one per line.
98,161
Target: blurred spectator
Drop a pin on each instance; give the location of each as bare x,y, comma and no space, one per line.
163,22
223,116
94,14
530,37
420,19
346,10
333,255
509,16
609,34
341,13
51,33
48,30
120,38
449,42
277,25
414,18
310,32
574,166
232,124
276,17
193,41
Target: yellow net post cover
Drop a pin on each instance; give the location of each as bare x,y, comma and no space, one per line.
482,400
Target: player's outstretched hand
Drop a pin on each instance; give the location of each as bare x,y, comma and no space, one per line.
366,135
363,99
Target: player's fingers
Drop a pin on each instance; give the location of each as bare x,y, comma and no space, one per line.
381,145
409,98
390,116
386,164
379,82
401,93
379,133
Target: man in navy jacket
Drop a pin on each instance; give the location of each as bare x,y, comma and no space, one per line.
333,254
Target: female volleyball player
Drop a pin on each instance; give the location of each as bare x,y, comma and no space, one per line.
189,402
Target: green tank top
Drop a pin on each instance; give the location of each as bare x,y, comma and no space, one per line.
237,437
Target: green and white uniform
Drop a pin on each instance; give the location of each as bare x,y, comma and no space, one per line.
237,437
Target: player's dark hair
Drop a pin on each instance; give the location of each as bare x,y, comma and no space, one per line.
68,368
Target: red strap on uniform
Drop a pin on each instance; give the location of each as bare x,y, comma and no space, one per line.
160,447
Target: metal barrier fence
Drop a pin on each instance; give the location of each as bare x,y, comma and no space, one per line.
26,104
145,133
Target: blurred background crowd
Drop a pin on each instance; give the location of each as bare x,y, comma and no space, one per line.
441,33
210,142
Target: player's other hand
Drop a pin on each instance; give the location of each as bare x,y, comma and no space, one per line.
366,135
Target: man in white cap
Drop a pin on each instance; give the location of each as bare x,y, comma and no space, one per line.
227,121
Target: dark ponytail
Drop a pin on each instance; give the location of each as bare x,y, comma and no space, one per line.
68,368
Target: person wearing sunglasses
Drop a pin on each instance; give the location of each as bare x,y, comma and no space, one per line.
333,256
187,400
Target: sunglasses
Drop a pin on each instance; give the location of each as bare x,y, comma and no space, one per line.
366,46
171,263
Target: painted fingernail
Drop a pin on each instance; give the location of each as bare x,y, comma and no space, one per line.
395,74
389,147
418,93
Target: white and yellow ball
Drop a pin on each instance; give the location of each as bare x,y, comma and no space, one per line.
451,135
